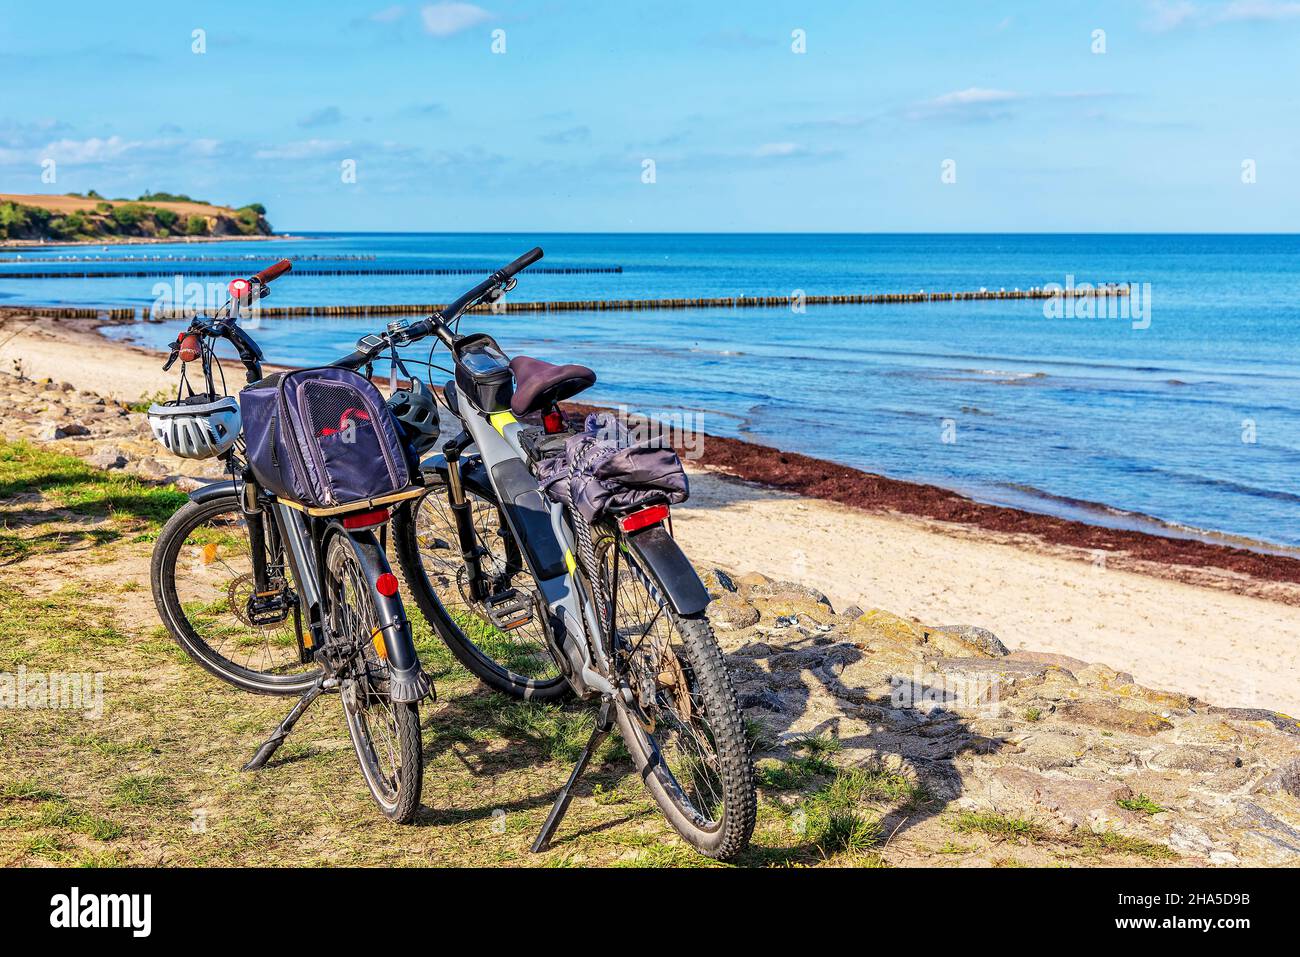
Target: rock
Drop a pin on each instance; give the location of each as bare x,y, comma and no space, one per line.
981,640
1071,665
732,612
1112,717
853,611
717,582
1280,721
750,579
788,591
764,698
50,432
885,626
107,457
1193,758
1077,802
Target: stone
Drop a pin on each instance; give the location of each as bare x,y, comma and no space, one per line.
750,579
1069,664
1113,717
853,611
980,640
1192,758
1076,801
107,457
764,698
717,582
882,625
732,612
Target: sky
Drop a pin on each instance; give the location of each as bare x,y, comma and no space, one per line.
1120,116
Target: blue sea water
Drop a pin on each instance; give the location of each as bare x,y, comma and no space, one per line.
1192,418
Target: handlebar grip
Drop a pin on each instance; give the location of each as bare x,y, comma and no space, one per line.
522,263
273,272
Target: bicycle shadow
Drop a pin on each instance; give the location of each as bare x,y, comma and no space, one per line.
894,724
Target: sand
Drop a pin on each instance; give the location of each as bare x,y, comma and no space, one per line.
1227,645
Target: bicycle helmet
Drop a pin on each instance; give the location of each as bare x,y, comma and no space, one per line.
199,427
416,409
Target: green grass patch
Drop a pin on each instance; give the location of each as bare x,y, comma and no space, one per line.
1141,804
69,483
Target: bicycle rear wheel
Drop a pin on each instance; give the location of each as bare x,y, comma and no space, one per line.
202,577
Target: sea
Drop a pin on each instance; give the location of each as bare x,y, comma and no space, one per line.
1182,419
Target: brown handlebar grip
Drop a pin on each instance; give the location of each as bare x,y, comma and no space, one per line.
273,272
189,349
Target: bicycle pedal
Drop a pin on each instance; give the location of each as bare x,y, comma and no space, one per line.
509,610
270,609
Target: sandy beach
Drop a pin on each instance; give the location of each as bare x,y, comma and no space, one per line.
1212,621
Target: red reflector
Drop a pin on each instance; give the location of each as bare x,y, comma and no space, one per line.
553,422
386,584
238,288
366,519
647,516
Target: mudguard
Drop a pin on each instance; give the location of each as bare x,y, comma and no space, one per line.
206,493
407,682
661,555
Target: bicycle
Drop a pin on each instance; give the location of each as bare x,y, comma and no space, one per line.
541,605
277,597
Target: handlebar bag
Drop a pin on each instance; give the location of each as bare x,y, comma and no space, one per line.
322,437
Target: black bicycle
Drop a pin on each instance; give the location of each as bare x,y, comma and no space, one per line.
539,604
279,598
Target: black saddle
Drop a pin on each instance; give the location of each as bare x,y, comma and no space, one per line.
539,385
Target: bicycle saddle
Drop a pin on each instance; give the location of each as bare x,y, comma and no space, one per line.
539,384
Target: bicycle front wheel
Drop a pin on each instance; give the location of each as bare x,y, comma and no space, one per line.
202,576
682,725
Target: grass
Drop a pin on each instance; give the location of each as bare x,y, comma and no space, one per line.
1001,828
1033,714
1141,804
68,485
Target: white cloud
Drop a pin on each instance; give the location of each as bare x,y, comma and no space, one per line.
302,149
778,149
1171,14
444,19
973,95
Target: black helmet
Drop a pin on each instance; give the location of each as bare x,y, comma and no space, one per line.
416,409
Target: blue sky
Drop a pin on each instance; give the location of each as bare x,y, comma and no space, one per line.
745,133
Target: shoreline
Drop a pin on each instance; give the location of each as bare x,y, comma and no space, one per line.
13,245
1189,560
1222,635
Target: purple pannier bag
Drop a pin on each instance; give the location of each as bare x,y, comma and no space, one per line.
602,471
322,437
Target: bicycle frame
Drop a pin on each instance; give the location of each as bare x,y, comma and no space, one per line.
542,529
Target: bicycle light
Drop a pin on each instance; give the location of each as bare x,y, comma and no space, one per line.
644,518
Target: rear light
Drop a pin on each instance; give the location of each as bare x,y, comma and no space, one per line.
553,422
386,584
239,289
365,519
644,518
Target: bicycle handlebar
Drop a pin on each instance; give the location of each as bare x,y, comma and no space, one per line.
272,272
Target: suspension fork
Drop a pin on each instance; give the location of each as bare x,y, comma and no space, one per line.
470,551
255,517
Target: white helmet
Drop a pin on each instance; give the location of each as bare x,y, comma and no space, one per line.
198,427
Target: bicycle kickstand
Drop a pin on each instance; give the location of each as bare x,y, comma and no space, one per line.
272,744
604,723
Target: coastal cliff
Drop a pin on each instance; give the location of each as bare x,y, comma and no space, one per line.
91,217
